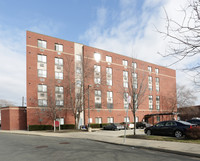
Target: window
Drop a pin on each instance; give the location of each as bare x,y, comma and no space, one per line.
125,74
158,118
157,85
59,102
125,62
78,83
97,57
149,68
125,79
98,120
126,119
134,65
109,76
78,70
109,71
109,100
109,94
97,81
42,88
97,99
156,70
98,93
109,82
109,59
125,100
150,83
134,80
78,57
59,61
110,120
42,102
42,73
157,102
125,84
58,89
97,68
42,58
58,75
59,47
42,44
136,119
90,120
150,102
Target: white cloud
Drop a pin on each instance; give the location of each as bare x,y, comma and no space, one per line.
134,33
13,58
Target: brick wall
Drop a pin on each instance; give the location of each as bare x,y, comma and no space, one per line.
13,118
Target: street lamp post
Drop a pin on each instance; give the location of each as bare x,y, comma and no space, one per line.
89,105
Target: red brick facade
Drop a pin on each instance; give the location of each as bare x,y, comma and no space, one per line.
13,118
36,115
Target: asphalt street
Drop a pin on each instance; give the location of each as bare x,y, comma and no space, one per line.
15,147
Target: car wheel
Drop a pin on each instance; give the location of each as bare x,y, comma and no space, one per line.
148,132
178,134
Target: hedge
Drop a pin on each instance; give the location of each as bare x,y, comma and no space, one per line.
67,126
40,127
97,125
193,133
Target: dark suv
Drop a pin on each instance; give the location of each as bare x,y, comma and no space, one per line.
195,121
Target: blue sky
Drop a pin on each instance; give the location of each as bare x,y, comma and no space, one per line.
122,26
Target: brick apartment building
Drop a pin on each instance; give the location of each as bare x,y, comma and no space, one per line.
62,73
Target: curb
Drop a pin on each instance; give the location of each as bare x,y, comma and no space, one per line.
154,149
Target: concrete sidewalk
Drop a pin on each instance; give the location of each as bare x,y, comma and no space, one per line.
112,137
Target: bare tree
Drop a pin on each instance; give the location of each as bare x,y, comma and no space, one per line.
184,37
137,87
185,97
76,91
4,103
189,112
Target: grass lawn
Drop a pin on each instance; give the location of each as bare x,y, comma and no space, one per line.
163,138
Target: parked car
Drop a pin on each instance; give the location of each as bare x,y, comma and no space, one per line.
142,125
114,126
195,121
129,125
169,128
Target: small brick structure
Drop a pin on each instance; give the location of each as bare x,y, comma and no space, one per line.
13,118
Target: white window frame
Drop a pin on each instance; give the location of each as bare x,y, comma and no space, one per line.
59,61
59,75
42,88
109,59
59,47
110,120
149,68
97,57
42,44
42,73
124,62
98,120
42,58
134,65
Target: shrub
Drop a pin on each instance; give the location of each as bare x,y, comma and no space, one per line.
97,125
67,126
193,133
40,127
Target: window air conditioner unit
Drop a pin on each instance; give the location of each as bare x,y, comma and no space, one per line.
58,67
41,65
41,94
